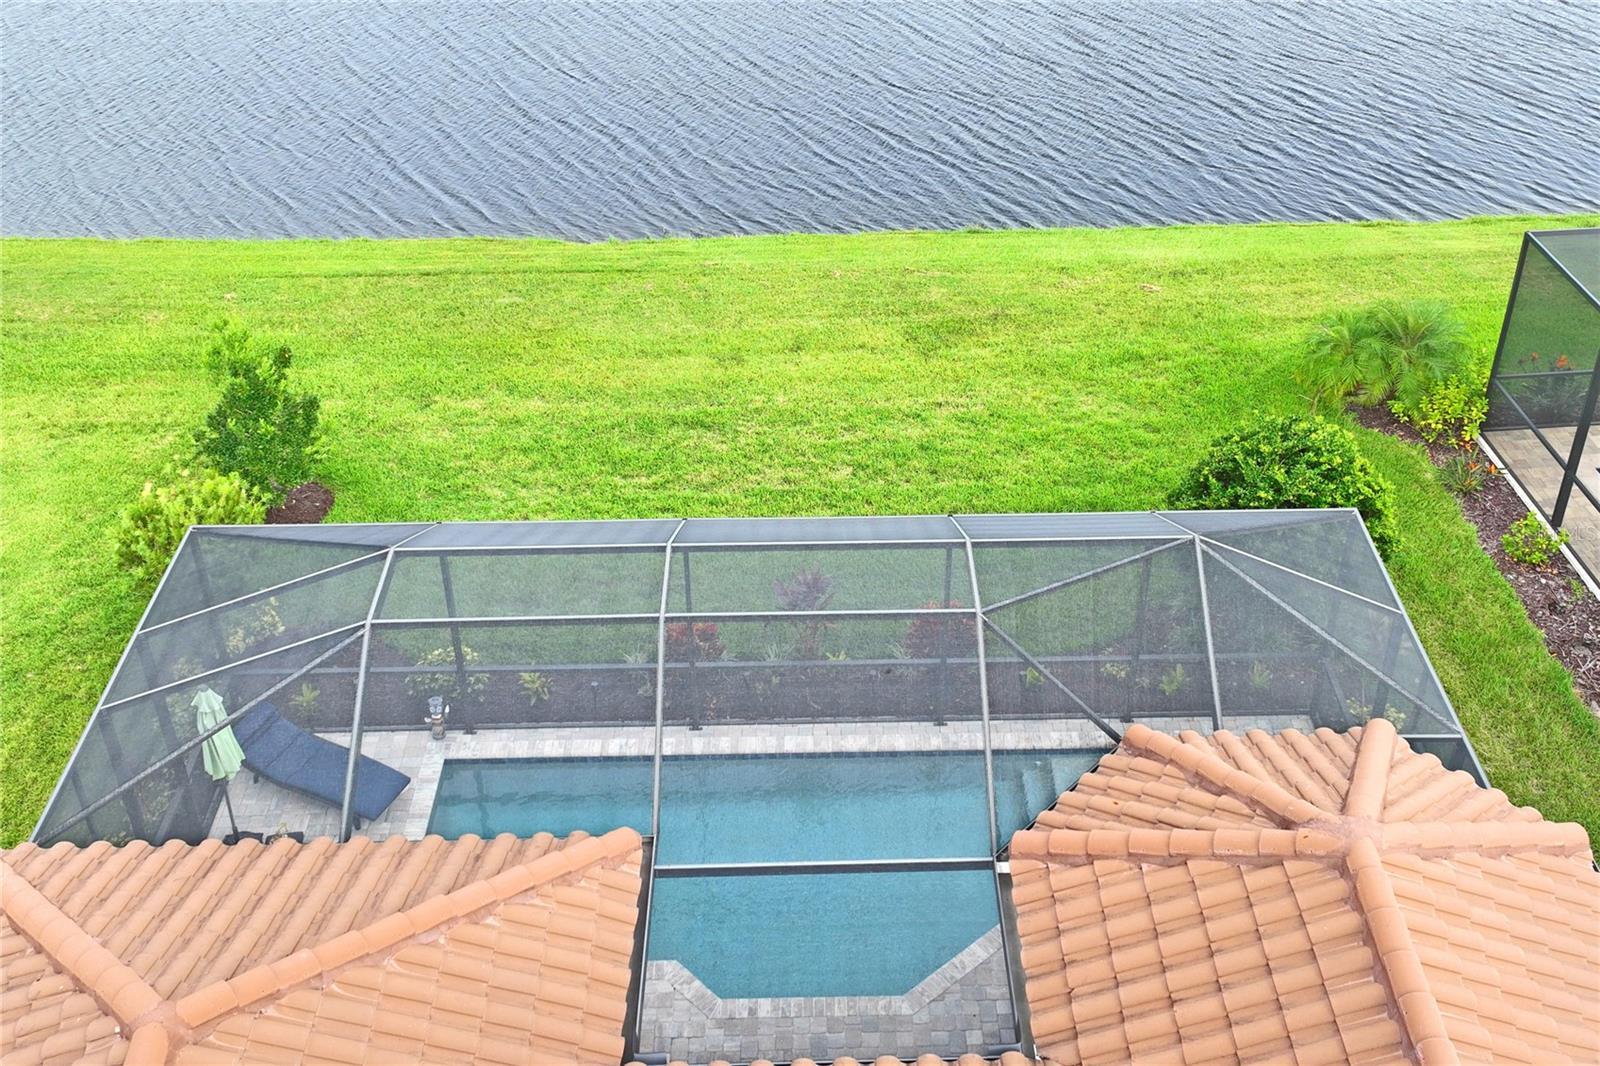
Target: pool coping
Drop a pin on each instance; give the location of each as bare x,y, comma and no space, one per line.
923,993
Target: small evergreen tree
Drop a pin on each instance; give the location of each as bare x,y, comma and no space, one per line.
261,429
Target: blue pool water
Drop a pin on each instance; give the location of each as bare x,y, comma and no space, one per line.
786,934
810,807
528,796
830,934
764,808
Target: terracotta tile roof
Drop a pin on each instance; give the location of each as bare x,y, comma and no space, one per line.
45,1016
500,950
1303,898
1010,1058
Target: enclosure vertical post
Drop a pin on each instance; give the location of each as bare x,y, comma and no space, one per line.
661,680
944,637
455,639
346,820
1205,617
983,687
1569,470
1511,303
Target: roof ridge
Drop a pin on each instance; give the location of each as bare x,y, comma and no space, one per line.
1204,764
1369,778
1443,840
1410,992
211,1002
115,985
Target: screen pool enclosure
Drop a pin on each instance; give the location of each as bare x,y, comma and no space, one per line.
335,650
828,728
1545,384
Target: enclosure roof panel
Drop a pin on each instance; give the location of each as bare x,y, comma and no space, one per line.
1065,526
805,531
375,535
647,532
1210,523
1578,251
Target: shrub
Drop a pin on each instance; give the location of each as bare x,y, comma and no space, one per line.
449,684
1529,543
151,529
1452,410
229,348
1390,350
261,429
1290,462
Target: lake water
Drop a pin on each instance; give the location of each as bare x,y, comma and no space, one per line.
592,121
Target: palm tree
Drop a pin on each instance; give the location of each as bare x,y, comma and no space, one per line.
1344,359
1422,343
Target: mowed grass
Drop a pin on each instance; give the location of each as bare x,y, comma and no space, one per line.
886,373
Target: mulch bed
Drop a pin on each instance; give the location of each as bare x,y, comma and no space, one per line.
305,504
1570,623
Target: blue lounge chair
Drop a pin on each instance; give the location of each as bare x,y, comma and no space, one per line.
283,753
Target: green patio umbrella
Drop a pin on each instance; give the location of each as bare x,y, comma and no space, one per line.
221,752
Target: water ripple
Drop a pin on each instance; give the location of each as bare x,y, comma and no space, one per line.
645,119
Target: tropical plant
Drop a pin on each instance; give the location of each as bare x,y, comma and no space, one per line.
536,686
1260,676
1423,343
1300,461
1363,712
305,700
1464,475
1529,543
151,529
252,625
1389,350
1342,360
694,639
261,429
808,590
1173,680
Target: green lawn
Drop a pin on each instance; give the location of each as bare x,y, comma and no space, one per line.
1006,371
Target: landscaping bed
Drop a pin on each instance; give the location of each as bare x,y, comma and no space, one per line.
1555,597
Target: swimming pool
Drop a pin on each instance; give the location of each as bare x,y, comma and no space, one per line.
804,935
819,934
768,808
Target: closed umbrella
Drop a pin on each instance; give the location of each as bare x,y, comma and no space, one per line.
221,752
